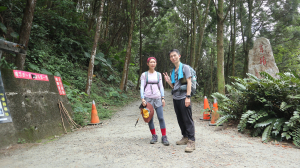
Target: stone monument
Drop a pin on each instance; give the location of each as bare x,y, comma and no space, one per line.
261,59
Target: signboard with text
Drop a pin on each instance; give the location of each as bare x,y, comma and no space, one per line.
59,85
4,110
30,75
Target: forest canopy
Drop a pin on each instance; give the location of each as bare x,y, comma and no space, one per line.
63,32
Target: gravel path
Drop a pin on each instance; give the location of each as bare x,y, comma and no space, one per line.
117,143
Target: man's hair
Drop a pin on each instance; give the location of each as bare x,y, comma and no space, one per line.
174,50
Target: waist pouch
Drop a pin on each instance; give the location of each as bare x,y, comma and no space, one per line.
181,88
147,112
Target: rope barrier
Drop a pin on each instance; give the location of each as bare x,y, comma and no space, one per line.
64,112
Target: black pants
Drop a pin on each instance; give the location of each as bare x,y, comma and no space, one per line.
184,118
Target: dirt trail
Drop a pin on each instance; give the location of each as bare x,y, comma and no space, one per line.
117,143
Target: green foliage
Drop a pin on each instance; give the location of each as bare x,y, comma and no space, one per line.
21,141
268,107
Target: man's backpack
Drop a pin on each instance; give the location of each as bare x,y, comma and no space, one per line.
193,79
158,78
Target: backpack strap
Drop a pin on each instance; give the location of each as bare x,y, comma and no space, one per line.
158,78
146,75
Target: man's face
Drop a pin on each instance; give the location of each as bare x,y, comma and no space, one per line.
174,57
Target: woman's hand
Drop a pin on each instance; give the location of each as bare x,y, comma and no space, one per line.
144,102
163,102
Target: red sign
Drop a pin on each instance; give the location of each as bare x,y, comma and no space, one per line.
59,85
30,75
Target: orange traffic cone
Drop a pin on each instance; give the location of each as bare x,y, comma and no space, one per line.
94,115
214,115
206,115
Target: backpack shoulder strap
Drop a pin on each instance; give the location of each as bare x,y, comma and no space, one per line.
146,76
158,77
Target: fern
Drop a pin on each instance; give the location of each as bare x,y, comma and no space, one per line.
296,137
284,106
267,76
265,134
224,118
220,97
265,123
244,120
278,125
257,131
240,86
255,117
253,77
294,120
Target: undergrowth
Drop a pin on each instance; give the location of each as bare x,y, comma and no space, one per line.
268,107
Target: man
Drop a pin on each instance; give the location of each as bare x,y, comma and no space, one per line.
181,75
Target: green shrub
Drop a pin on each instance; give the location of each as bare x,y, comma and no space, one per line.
268,106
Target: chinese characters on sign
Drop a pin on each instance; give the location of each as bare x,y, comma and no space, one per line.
4,110
30,75
59,85
262,60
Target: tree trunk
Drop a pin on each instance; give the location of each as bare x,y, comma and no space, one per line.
91,64
141,60
229,50
25,32
107,21
92,19
220,49
233,41
193,45
249,37
128,51
202,27
212,68
242,32
187,39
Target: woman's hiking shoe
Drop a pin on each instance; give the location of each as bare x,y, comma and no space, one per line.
183,141
165,141
190,146
154,139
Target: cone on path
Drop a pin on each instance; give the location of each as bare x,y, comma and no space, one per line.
94,115
214,115
206,115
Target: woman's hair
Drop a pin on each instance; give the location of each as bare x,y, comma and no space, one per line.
150,59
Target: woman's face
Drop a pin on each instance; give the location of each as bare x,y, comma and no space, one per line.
152,64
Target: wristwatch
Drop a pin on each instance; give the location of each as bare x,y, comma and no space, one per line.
188,96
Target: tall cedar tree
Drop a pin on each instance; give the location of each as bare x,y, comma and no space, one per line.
220,45
25,32
92,60
128,51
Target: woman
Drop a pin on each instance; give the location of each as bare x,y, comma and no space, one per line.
152,91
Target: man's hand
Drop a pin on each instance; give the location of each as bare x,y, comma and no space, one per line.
163,102
167,78
187,102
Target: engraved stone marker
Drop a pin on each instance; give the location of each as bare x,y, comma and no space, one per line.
261,59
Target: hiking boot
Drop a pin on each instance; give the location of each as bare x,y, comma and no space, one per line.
165,141
183,141
190,146
154,139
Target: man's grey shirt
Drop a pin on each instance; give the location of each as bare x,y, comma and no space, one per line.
178,95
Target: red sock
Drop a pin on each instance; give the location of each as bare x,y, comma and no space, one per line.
153,131
163,131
